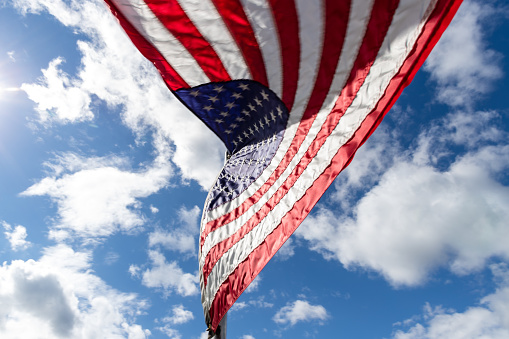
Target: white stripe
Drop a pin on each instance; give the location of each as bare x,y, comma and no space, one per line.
392,54
260,16
359,18
358,21
311,15
148,25
210,24
308,68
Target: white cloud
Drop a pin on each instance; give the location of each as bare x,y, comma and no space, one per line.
418,219
57,96
16,236
422,214
461,64
239,305
370,163
300,310
57,296
134,271
286,251
173,240
181,239
168,276
253,287
258,302
111,258
97,197
11,54
114,71
488,320
247,336
180,316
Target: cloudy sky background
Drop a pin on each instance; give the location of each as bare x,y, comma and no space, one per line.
103,176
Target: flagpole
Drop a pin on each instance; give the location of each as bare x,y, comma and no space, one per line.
221,330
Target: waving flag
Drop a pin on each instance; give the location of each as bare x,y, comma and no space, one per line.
293,88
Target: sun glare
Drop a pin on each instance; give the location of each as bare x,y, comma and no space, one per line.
5,90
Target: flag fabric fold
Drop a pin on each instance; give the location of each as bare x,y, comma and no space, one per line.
293,88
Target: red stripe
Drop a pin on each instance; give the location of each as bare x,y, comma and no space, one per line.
173,17
285,16
336,13
170,76
236,20
245,273
377,26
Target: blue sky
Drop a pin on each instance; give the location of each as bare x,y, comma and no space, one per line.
104,174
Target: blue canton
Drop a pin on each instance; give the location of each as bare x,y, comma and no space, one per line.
250,120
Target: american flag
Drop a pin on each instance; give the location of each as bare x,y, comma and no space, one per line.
293,88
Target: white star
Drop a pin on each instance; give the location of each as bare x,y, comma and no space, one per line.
195,93
245,134
224,114
219,89
234,126
237,95
239,119
219,121
208,108
230,105
261,123
279,111
228,131
245,112
213,98
251,131
243,87
267,121
265,95
258,101
251,107
273,115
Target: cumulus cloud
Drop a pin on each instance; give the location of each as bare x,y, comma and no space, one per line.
179,316
418,219
182,238
167,276
114,71
57,96
98,196
16,236
58,296
371,161
488,320
461,64
431,208
300,310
